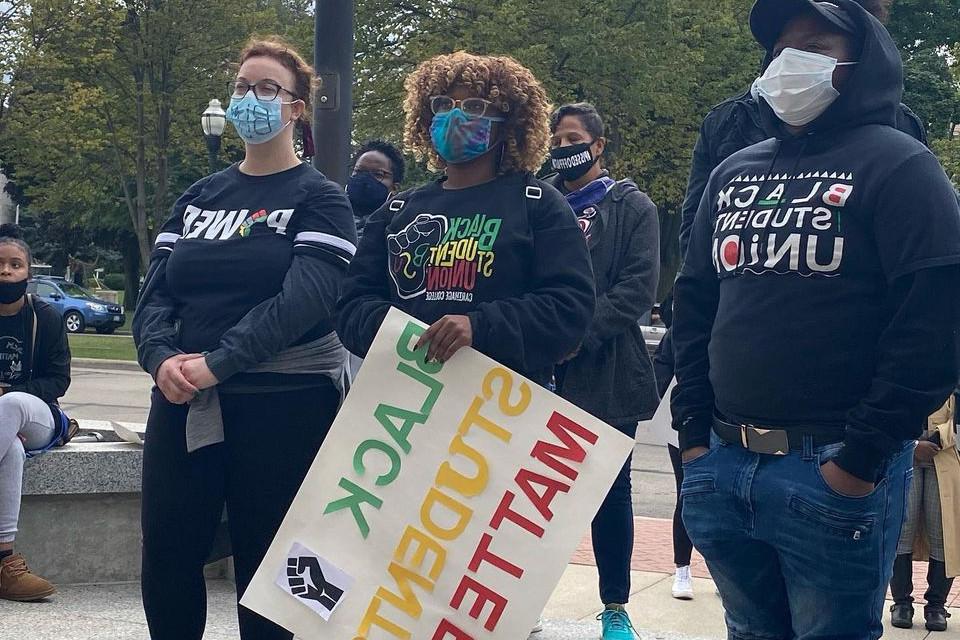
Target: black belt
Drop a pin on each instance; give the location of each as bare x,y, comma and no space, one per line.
770,441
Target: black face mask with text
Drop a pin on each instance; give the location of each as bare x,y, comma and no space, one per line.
573,161
10,292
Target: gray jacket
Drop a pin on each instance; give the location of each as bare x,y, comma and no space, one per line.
612,375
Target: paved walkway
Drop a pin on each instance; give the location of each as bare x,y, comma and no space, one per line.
113,612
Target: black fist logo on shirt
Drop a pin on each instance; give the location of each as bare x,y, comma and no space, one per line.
409,253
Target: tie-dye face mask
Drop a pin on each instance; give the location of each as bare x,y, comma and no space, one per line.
460,138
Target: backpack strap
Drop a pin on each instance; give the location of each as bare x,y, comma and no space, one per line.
33,337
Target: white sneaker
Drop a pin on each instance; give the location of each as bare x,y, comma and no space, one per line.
537,628
682,584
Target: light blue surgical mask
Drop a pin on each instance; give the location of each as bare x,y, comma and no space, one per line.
458,137
256,121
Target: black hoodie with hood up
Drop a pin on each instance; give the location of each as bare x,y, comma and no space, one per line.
817,290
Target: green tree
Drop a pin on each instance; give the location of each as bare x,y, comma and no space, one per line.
119,88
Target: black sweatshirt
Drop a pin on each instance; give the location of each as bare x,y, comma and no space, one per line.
48,375
245,267
736,124
818,287
508,254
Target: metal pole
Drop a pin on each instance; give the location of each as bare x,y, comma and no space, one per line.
333,110
213,148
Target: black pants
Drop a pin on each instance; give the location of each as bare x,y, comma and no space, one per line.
612,532
938,584
682,547
270,441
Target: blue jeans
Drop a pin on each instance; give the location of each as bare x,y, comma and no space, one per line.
793,558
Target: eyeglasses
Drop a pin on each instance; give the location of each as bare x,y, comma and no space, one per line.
264,90
470,106
379,174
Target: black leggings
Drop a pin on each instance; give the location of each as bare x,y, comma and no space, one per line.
682,547
270,441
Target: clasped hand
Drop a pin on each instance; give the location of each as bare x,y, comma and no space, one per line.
182,377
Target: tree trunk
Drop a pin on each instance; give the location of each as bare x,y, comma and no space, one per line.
130,248
162,152
141,225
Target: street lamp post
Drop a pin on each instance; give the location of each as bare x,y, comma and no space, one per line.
333,56
213,122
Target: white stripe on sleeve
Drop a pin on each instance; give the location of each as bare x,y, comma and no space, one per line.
165,238
326,238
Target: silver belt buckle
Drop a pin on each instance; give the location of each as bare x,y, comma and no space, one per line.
772,442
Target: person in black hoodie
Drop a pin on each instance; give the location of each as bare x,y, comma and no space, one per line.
808,331
610,374
34,375
235,324
735,124
490,256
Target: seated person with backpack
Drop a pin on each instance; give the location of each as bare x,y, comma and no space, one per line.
34,374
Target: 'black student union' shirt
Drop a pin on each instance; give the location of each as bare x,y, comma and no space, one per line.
507,253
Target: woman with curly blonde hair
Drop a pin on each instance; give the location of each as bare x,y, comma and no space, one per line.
489,255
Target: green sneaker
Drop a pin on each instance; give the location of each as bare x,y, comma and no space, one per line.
616,624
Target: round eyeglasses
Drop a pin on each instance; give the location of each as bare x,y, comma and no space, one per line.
264,90
471,106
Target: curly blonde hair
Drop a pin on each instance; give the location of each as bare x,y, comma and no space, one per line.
510,86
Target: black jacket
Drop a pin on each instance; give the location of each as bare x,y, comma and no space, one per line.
736,124
48,362
612,375
812,292
49,373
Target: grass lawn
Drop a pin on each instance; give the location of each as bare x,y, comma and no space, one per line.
102,347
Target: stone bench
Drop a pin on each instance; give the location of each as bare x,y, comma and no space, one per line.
80,517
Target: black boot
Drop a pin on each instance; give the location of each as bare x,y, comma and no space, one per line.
901,616
901,587
936,618
938,588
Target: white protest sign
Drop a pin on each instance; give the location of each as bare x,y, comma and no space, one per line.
444,504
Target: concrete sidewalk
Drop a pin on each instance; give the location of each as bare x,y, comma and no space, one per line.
114,612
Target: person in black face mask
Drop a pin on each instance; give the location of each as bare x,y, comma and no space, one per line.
378,169
34,374
610,374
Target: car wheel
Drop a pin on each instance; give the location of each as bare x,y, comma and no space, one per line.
106,331
74,322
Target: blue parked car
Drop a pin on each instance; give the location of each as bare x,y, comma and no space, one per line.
79,307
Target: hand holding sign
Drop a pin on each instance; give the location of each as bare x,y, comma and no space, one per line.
445,337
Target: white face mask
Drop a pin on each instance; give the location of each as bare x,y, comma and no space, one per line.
798,85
